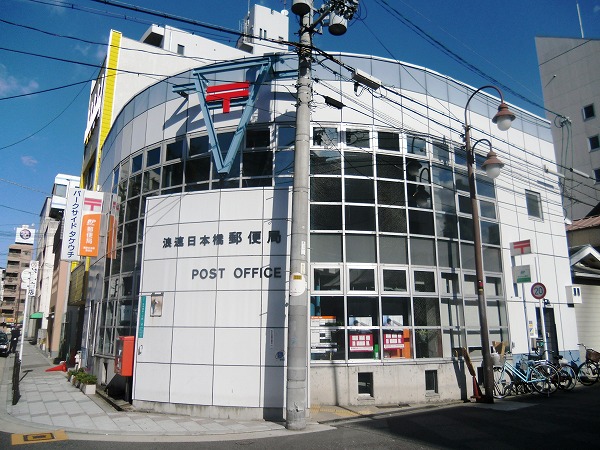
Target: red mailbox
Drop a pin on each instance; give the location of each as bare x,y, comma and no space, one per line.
124,356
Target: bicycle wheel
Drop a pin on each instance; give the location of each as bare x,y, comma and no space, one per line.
568,378
544,378
502,382
587,373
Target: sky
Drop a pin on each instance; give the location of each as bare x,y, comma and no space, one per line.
56,46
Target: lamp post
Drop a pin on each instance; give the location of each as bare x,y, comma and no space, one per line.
338,11
503,119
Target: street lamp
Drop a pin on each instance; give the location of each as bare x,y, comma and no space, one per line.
338,11
503,119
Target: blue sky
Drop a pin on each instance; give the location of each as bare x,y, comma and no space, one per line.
42,134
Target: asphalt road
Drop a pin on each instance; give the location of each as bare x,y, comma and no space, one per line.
566,420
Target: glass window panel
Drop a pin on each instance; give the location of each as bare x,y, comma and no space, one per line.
487,209
394,280
534,204
391,220
327,345
396,343
326,137
284,163
172,175
325,217
464,204
452,312
325,163
446,225
390,193
490,233
153,157
419,196
416,145
361,279
199,145
128,262
130,233
151,180
470,285
197,170
329,306
462,181
448,254
359,190
467,256
358,164
444,200
466,228
325,248
493,286
136,163
417,170
174,150
325,189
441,151
492,260
450,283
326,279
485,187
363,344
442,176
388,141
420,222
257,164
363,311
427,311
422,252
135,186
428,343
360,248
360,218
225,142
460,156
357,138
133,209
479,160
286,136
393,250
389,166
258,138
395,312
424,281
454,341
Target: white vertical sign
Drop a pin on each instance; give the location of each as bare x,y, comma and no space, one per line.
72,225
34,268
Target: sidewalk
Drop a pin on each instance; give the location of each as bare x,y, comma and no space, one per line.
49,403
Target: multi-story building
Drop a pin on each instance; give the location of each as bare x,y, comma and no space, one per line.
19,256
571,87
198,170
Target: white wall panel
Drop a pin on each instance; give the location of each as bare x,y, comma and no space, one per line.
237,386
193,346
196,308
152,382
237,346
191,384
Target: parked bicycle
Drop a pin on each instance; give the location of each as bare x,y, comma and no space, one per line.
541,376
566,373
589,371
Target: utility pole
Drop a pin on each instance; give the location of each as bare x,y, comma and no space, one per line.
297,348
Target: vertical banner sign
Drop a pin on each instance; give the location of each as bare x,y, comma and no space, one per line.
34,266
111,241
72,225
90,223
142,317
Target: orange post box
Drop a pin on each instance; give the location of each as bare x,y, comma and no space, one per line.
124,356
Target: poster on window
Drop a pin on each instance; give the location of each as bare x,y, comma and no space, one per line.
393,321
393,341
361,342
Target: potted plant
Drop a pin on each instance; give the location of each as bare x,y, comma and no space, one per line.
88,383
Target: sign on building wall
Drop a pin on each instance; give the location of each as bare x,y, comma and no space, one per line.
90,223
522,274
25,235
72,225
520,248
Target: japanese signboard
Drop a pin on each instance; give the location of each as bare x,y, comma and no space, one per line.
361,342
72,225
25,235
90,223
522,274
520,248
34,268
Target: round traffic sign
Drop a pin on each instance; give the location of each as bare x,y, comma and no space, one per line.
26,275
538,290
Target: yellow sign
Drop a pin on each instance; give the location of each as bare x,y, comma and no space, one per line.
58,435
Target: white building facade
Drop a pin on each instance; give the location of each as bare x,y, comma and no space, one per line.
200,272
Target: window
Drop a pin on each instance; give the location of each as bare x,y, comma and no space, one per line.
416,145
388,141
180,49
594,142
357,138
153,157
534,204
588,112
326,279
597,175
325,137
431,381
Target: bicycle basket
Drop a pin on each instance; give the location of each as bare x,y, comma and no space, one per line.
592,355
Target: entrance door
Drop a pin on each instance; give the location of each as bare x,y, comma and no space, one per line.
551,339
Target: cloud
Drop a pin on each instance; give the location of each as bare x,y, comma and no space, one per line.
29,161
10,85
83,49
596,9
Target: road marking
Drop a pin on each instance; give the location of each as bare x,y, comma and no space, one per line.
32,438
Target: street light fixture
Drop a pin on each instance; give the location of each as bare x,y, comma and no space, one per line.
503,119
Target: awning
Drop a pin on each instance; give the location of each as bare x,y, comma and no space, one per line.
37,315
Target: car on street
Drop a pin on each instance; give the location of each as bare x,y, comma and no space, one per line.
4,344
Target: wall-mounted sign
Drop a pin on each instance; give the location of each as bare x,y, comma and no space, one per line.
522,274
520,248
72,225
25,235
